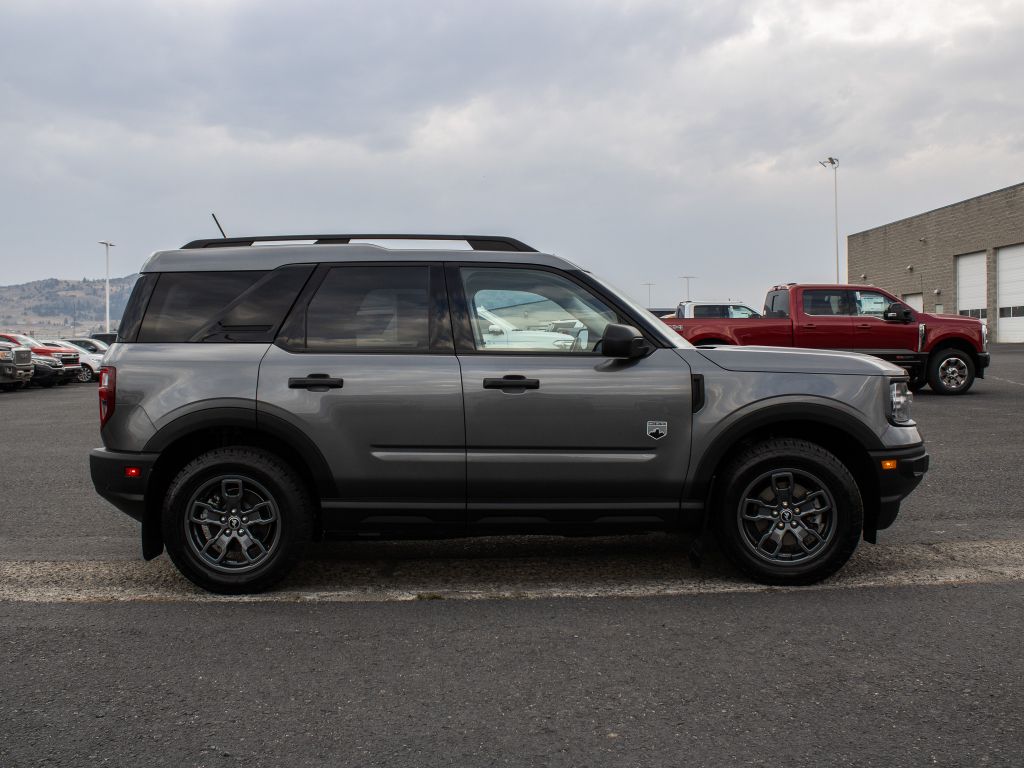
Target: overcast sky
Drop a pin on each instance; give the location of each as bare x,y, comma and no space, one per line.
644,140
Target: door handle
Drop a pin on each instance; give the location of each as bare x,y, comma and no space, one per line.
863,325
809,325
512,381
316,382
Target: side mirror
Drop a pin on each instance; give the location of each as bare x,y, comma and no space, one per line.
495,330
624,341
898,313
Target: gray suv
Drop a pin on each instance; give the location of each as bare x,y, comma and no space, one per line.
261,397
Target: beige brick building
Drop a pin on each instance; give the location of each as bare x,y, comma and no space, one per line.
965,258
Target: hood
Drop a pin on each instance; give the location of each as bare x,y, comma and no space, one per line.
789,360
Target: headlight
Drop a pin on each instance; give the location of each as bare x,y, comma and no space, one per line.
900,399
6,355
984,337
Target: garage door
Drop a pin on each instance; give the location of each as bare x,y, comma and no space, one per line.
915,301
971,280
1010,292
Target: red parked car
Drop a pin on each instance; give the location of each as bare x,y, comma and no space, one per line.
67,355
943,351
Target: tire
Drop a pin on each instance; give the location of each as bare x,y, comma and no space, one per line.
239,481
783,474
917,384
950,372
64,382
85,375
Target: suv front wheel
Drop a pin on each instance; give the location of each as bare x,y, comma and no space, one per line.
236,520
790,512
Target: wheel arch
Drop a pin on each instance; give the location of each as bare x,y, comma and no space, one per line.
183,439
835,430
958,343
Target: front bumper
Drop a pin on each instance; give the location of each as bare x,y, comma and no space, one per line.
982,361
110,478
11,374
894,485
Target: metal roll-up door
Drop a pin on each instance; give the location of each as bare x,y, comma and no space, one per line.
971,286
1010,292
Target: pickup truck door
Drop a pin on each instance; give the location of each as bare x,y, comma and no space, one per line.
823,319
872,333
555,431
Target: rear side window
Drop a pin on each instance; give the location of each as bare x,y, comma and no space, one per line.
220,306
711,310
370,309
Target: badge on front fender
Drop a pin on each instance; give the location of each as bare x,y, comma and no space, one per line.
657,429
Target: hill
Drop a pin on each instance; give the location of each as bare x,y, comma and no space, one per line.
62,307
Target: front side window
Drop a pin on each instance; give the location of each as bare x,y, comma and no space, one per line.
370,309
742,311
526,310
871,303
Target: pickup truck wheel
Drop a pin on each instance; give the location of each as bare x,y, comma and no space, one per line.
790,513
236,520
950,372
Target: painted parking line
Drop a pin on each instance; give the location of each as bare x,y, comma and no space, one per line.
497,578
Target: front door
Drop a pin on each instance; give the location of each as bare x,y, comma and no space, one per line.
365,367
555,431
872,333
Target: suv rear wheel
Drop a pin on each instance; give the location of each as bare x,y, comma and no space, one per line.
791,512
236,520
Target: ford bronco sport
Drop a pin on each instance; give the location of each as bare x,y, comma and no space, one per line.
259,397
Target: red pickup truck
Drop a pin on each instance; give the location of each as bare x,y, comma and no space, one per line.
946,352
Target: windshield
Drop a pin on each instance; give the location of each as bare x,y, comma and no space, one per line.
26,341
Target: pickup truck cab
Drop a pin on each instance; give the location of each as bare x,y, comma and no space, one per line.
943,351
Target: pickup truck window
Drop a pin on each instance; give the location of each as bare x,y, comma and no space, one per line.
828,302
871,303
776,304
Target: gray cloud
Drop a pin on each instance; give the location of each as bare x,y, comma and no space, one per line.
645,139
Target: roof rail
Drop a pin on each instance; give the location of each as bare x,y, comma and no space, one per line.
476,242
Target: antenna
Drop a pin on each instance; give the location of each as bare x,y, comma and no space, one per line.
218,225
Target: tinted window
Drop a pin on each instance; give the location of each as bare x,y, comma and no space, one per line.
371,309
711,310
184,302
776,304
827,302
256,314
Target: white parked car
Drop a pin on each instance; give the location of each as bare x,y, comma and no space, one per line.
724,309
91,361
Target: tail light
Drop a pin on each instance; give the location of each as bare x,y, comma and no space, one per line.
108,393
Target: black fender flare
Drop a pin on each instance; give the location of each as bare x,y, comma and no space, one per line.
765,416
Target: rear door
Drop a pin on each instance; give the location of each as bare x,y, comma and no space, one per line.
824,319
555,431
365,367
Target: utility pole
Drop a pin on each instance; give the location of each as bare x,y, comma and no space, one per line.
834,163
649,286
687,278
107,245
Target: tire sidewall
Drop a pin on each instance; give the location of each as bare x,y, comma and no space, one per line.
935,381
849,518
292,509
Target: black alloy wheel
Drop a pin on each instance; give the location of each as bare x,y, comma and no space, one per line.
236,520
789,513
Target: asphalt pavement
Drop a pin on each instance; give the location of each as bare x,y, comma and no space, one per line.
517,651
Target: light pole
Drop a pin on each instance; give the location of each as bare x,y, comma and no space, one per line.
649,286
687,278
834,162
107,245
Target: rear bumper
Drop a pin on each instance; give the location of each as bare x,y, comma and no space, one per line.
894,485
108,470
